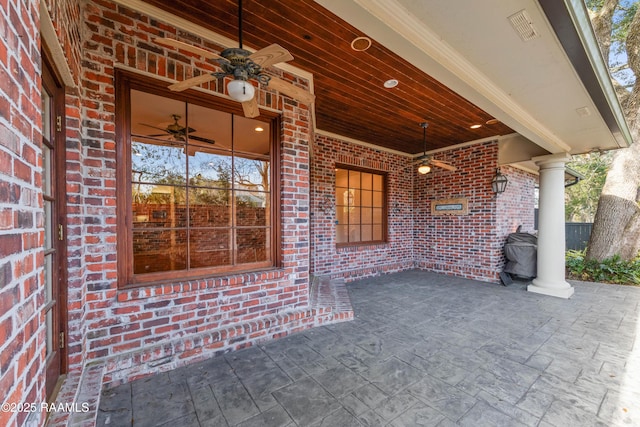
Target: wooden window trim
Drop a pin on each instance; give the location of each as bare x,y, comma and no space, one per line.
125,81
385,215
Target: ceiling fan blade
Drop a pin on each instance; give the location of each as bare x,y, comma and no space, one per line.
201,139
165,41
153,127
443,165
294,92
250,108
194,81
270,55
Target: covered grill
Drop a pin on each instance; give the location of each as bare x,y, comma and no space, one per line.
521,251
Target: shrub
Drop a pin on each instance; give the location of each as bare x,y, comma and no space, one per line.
611,270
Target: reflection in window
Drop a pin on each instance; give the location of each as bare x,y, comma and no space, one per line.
200,187
360,206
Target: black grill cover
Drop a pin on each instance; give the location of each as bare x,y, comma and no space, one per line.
521,251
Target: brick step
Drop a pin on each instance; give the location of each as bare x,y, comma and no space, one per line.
328,293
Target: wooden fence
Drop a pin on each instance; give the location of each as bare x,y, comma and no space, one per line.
577,235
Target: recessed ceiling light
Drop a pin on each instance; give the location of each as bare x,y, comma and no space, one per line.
391,83
361,44
475,126
259,129
492,122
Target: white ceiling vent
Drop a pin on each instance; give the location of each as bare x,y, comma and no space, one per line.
522,23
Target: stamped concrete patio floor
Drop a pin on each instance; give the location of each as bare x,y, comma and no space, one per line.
424,349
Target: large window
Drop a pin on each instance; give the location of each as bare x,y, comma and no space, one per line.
360,206
199,189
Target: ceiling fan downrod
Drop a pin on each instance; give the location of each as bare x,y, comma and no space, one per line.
240,23
424,126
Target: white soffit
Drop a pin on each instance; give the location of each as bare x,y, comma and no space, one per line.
472,47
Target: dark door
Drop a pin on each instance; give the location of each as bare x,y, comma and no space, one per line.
53,188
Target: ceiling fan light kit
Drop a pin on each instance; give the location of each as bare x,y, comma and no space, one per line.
424,168
240,90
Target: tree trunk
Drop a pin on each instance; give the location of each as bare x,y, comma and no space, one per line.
616,226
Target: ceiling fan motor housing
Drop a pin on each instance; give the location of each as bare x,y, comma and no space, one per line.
239,65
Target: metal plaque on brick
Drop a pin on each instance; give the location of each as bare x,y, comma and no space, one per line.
450,207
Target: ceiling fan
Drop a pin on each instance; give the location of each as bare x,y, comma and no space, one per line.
425,161
178,132
243,66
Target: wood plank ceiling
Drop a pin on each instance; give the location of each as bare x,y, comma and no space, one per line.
350,97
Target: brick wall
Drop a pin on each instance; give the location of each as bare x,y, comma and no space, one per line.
22,327
362,260
516,206
465,245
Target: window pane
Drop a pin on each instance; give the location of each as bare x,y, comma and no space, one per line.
49,327
251,174
354,179
366,233
48,224
342,234
159,250
252,245
340,196
248,139
367,181
158,206
342,215
158,162
211,169
209,207
344,197
46,170
377,232
367,215
209,130
210,247
378,183
378,199
252,208
157,117
342,178
48,278
46,114
354,215
377,216
354,197
367,198
354,233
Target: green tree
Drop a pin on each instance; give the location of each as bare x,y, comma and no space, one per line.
581,200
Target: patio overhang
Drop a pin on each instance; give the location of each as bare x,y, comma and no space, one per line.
553,90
